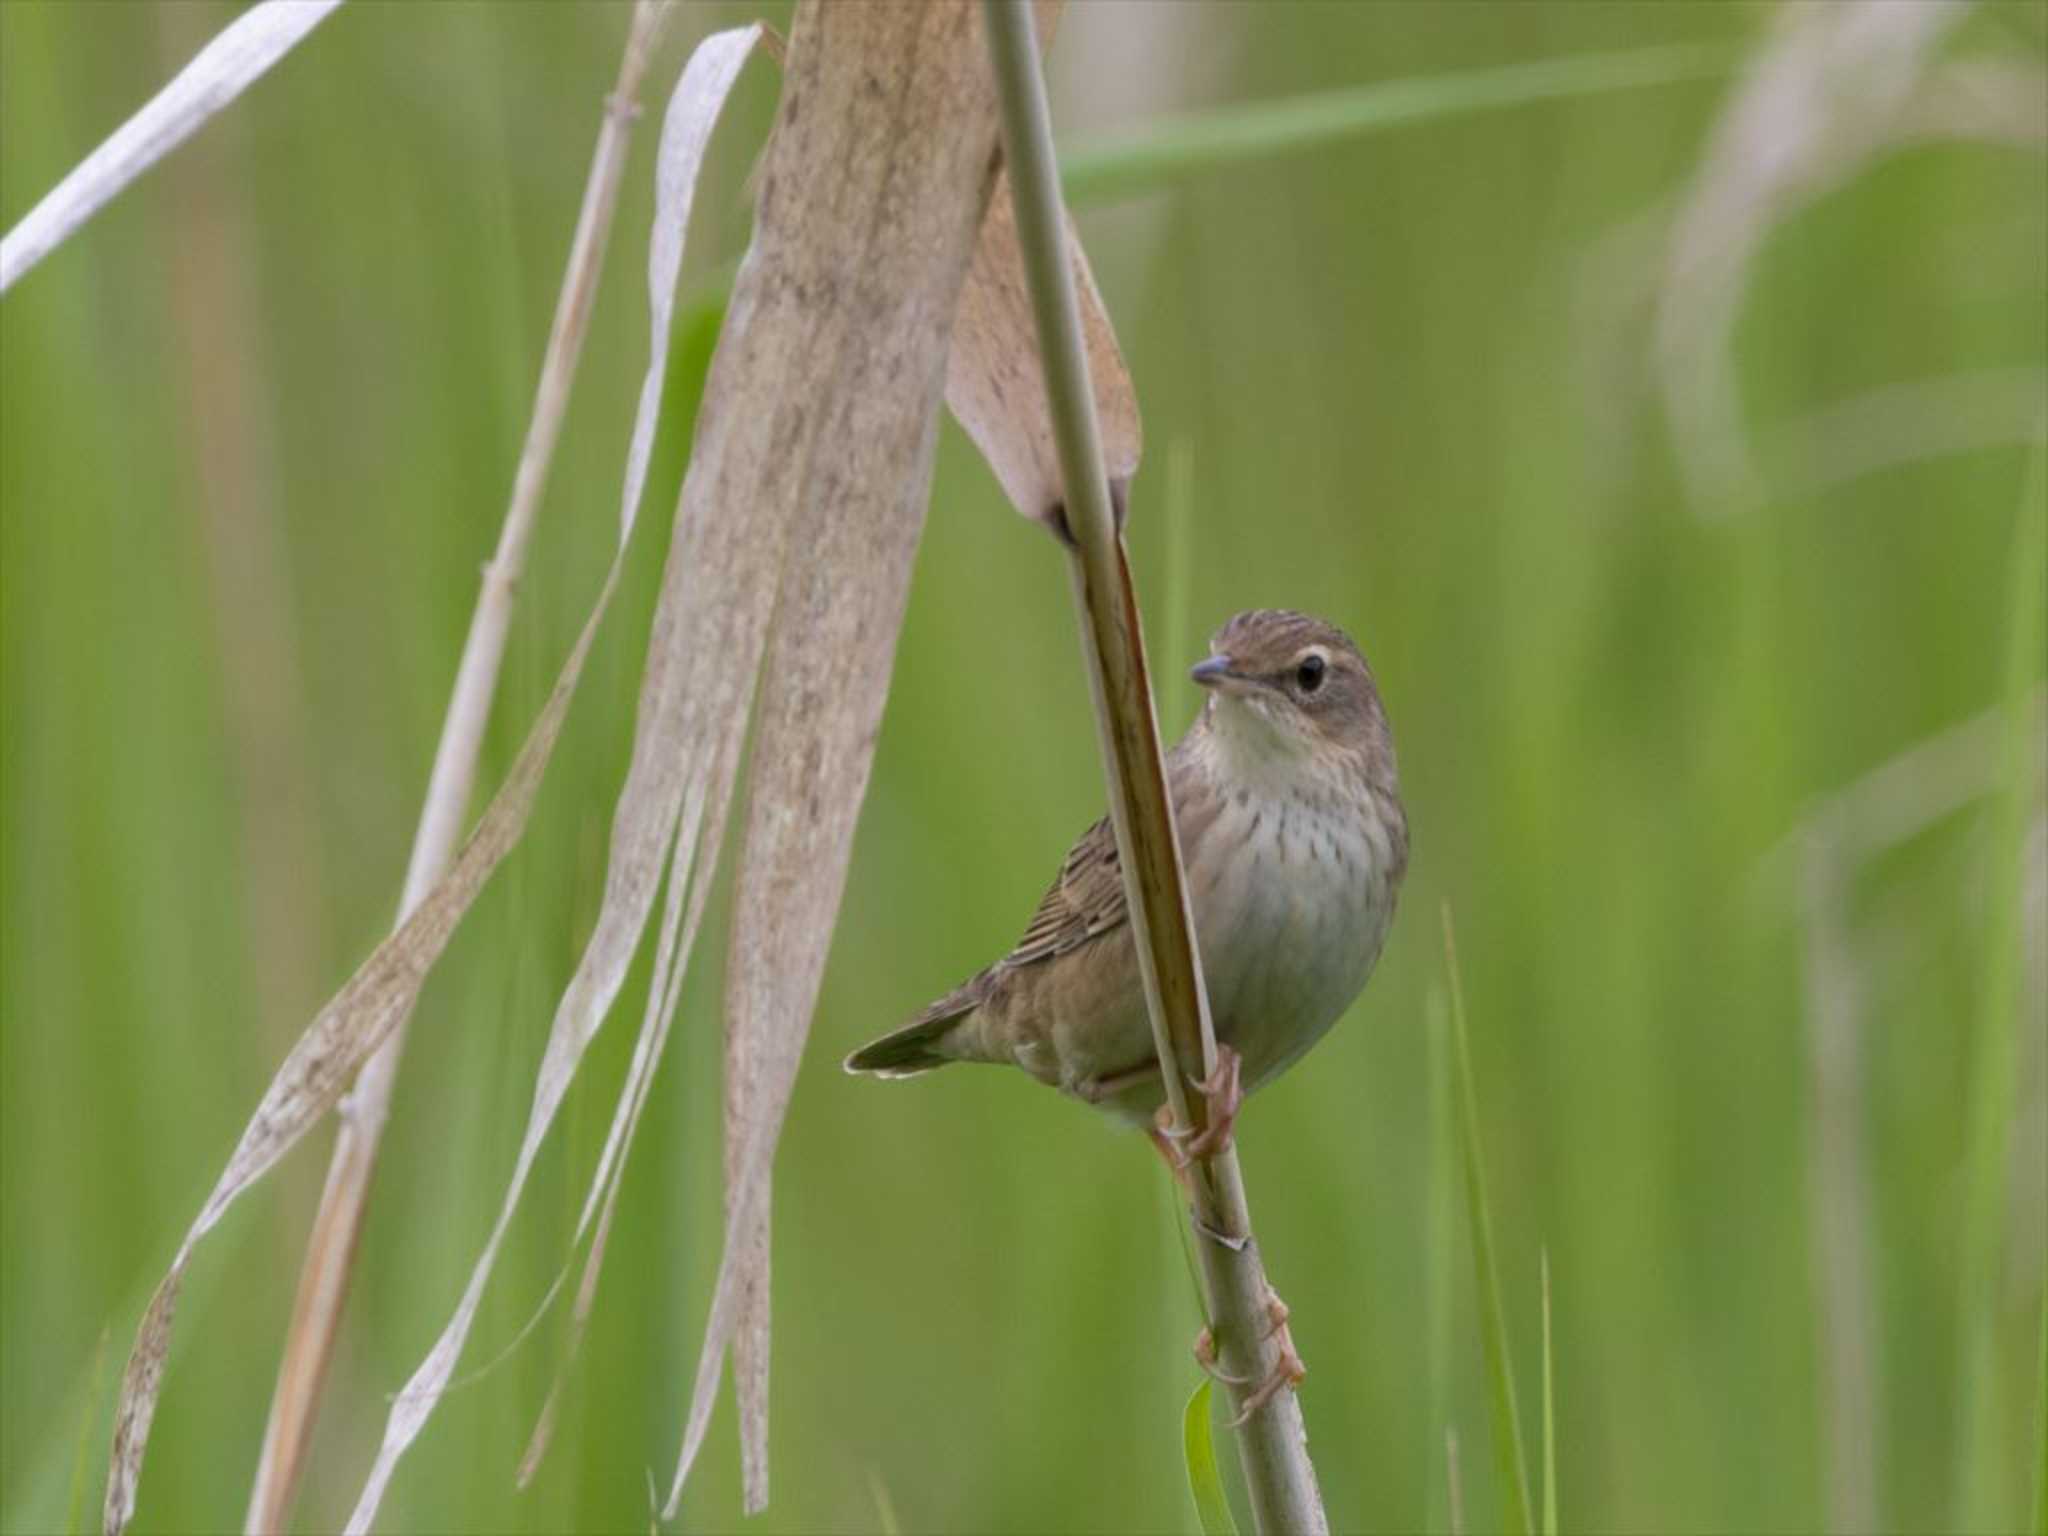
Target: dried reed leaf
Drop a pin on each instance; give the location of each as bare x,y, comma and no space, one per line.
871,198
996,385
993,311
820,477
693,111
692,712
858,307
338,1222
678,937
384,989
340,1038
245,48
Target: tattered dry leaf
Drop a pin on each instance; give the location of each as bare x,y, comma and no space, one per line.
359,1017
805,503
873,191
996,385
218,73
678,937
693,111
337,1224
993,318
342,1035
692,711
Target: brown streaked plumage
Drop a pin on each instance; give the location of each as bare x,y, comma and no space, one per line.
1287,801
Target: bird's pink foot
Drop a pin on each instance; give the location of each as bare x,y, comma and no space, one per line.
1223,1091
1287,1371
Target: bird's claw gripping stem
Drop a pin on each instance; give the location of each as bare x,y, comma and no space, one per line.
1205,1357
1287,1371
1223,1091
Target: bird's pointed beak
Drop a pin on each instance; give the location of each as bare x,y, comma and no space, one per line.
1214,672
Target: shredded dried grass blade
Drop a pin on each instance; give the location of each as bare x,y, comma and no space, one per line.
341,1037
871,200
245,48
337,1224
831,652
684,756
384,990
993,322
678,938
693,111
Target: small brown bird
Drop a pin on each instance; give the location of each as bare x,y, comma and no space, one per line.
1288,806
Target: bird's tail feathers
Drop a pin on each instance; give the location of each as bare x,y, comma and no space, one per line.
918,1046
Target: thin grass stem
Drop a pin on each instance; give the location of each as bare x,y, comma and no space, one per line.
1454,1481
1511,1462
81,1454
1549,1414
337,1226
1174,147
1272,1441
1440,1222
2041,1428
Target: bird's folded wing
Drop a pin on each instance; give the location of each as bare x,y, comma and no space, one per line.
1086,900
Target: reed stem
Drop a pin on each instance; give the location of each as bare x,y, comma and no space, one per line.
1272,1441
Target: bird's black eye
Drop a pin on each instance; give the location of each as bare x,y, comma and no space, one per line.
1309,675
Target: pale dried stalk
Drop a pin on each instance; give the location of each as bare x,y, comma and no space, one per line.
1273,1441
245,49
337,1227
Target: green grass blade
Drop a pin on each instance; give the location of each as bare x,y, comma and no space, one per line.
1440,1218
1198,1448
1205,1482
1995,1054
88,1416
1454,1481
1175,147
1510,1461
1549,1415
2041,1429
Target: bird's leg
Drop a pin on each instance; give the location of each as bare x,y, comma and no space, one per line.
1223,1089
1099,1090
1288,1370
1161,1132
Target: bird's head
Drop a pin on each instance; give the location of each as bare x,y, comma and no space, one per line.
1284,686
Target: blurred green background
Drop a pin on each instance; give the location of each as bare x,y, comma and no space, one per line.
257,427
